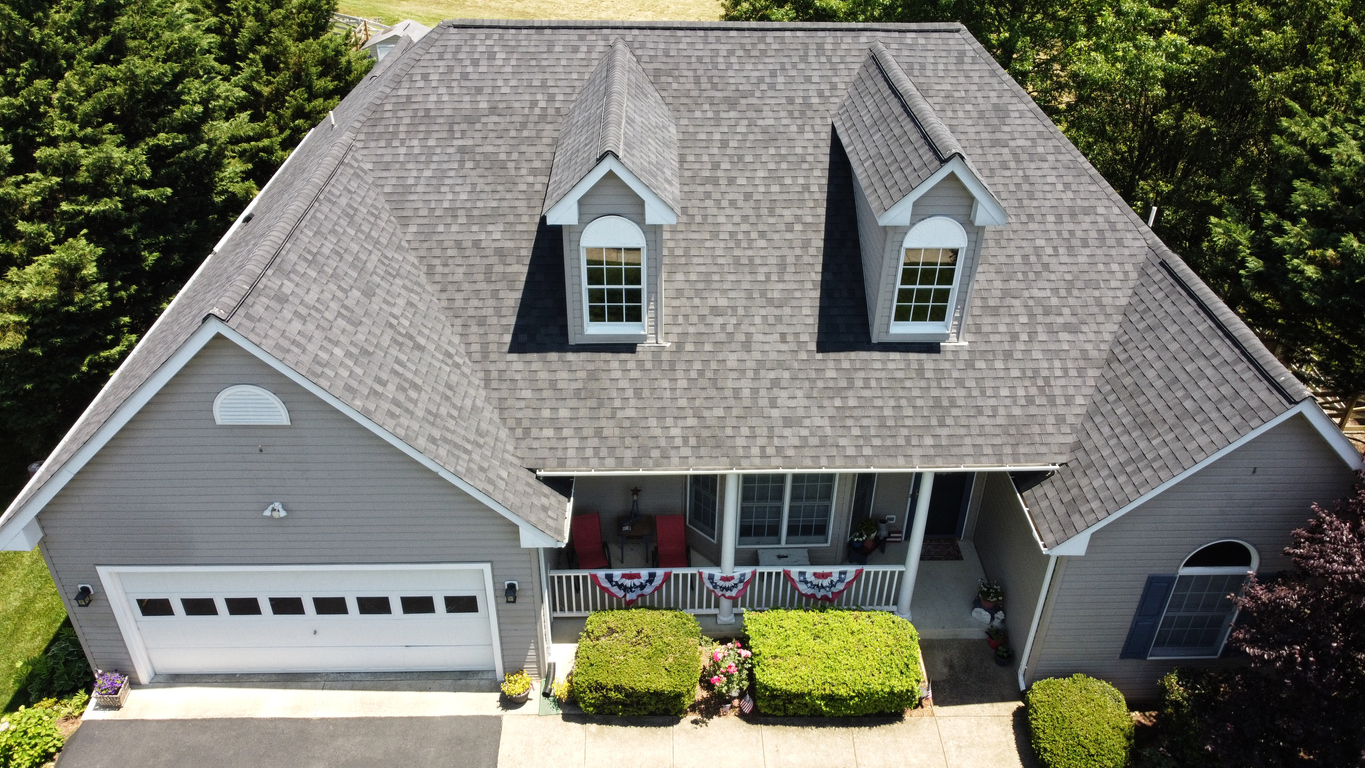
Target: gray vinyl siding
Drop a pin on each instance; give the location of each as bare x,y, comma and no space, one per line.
610,498
893,497
1257,494
173,488
947,198
872,243
612,197
1009,552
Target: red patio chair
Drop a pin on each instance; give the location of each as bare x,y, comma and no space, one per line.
589,549
671,534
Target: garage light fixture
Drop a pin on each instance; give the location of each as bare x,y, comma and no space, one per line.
510,591
275,510
84,594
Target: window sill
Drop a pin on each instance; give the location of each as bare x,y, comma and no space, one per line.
907,332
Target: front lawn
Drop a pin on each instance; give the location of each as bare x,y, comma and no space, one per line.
30,613
431,11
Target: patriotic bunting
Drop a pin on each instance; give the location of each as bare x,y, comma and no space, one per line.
822,585
729,586
630,585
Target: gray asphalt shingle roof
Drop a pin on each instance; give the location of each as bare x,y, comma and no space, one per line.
617,112
400,262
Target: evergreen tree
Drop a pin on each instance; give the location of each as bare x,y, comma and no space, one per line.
131,133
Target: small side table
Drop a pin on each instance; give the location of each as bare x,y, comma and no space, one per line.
641,528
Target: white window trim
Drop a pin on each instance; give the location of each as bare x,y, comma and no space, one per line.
1232,570
719,502
786,508
615,329
911,241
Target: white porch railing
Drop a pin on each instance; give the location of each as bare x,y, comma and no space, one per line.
573,593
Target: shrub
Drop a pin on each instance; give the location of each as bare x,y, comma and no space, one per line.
29,737
1079,722
1187,695
834,663
58,670
637,662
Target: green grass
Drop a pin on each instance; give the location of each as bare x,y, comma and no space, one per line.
30,613
431,11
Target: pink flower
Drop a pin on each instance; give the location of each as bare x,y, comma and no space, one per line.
746,654
737,645
717,680
730,670
717,655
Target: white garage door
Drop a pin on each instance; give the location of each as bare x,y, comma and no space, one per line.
307,619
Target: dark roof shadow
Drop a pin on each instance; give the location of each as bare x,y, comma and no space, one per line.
842,318
542,323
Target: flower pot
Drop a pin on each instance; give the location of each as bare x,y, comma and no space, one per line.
993,643
989,605
519,698
113,701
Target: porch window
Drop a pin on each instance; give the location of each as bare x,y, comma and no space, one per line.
780,510
1200,612
701,504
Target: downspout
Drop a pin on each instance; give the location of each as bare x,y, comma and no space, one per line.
1037,619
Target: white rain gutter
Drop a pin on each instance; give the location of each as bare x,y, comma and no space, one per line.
798,471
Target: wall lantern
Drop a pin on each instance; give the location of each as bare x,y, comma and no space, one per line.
510,591
84,594
275,510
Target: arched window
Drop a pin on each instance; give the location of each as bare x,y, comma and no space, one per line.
613,276
1200,611
929,274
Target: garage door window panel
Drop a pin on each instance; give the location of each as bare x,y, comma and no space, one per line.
422,604
155,606
286,606
371,606
330,606
199,606
243,606
462,604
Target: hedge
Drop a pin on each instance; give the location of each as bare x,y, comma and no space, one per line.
637,662
1185,695
1079,722
834,663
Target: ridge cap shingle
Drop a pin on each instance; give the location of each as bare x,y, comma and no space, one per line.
921,113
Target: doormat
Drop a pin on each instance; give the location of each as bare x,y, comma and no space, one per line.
940,549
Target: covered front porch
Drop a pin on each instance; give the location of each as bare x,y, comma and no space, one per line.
924,562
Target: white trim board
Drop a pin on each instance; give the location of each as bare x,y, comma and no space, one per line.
13,533
795,470
986,210
1076,545
142,662
565,210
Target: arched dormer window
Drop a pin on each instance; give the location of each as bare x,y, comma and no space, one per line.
613,249
1200,611
929,275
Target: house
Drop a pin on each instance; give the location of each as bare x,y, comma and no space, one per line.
778,279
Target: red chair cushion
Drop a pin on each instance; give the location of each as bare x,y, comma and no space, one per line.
672,533
587,541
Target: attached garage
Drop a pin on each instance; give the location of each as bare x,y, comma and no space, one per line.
278,619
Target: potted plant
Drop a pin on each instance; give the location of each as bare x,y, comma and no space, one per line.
111,689
516,686
990,594
1003,654
728,670
996,636
865,534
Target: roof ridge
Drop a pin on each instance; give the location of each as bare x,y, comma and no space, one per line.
921,113
612,137
789,26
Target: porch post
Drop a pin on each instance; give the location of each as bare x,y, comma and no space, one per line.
916,539
729,534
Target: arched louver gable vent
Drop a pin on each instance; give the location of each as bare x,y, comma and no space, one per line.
243,404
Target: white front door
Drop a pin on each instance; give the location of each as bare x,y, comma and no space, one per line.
211,620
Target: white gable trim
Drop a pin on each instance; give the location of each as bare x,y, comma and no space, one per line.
986,210
566,210
15,533
1077,545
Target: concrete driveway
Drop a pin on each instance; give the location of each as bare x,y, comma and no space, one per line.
359,742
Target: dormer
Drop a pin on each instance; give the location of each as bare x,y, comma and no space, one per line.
613,188
923,210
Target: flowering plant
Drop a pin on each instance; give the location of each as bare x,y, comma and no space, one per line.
867,529
516,683
729,668
109,683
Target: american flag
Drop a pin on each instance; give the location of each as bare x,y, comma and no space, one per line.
746,704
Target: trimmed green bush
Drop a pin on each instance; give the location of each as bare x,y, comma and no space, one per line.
1079,722
637,662
29,737
834,663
